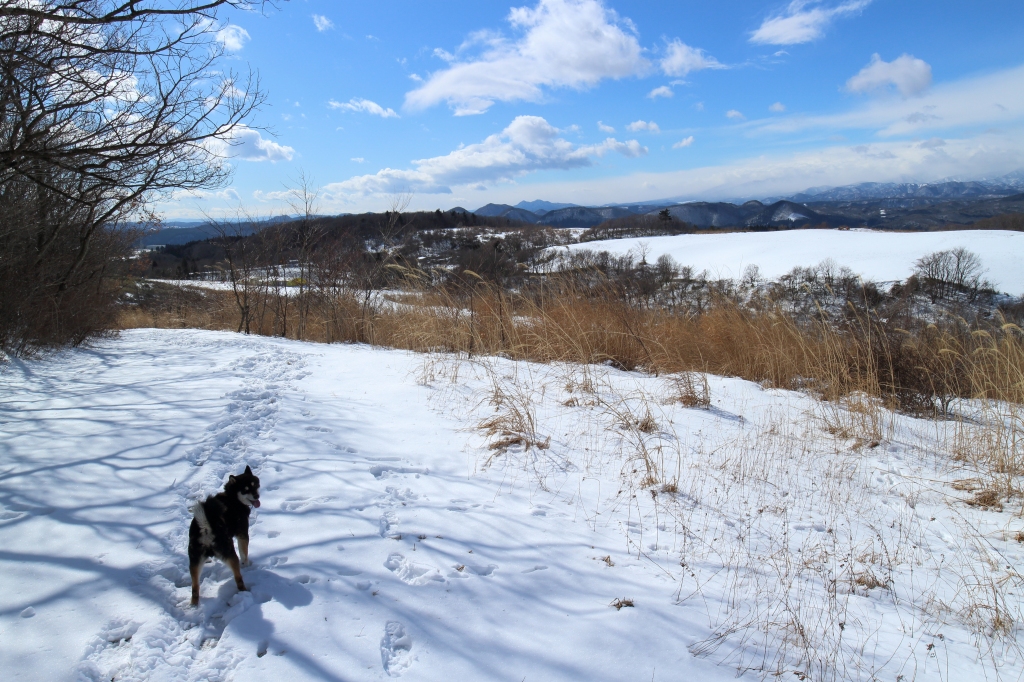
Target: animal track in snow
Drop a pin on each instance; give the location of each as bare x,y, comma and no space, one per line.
383,470
388,521
296,503
412,573
395,649
398,495
465,570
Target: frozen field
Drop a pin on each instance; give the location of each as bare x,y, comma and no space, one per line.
879,256
393,540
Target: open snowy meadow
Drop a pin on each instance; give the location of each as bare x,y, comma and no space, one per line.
872,254
440,518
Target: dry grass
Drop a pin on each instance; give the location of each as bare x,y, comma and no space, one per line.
861,368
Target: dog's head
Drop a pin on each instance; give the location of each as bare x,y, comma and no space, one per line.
246,486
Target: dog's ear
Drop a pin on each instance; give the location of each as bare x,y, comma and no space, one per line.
232,479
248,470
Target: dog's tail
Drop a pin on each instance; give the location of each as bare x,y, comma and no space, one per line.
200,514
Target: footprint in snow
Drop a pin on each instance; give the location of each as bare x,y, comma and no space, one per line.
465,570
395,649
412,573
388,521
384,470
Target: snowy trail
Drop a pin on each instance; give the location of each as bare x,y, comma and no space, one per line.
375,554
394,541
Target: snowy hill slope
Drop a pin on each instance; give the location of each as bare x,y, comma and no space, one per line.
394,540
880,256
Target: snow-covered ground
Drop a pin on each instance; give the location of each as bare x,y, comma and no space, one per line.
397,538
879,256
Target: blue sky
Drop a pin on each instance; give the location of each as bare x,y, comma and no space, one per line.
594,102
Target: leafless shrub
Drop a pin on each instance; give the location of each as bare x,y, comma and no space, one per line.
690,389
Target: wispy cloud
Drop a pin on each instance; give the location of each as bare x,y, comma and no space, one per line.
233,37
527,145
649,126
681,59
909,75
604,128
777,108
734,115
992,99
663,91
363,105
685,142
802,22
322,23
562,43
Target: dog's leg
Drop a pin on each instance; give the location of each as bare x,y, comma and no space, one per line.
237,570
196,570
243,548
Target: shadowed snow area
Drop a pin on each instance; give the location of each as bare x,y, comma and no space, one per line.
395,538
369,511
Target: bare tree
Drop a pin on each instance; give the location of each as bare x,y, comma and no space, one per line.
106,106
245,260
307,233
946,272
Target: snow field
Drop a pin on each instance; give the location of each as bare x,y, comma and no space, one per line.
438,518
878,256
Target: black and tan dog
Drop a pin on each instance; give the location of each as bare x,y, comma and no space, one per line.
218,521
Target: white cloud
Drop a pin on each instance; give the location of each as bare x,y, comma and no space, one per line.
777,108
528,144
364,105
358,159
233,37
909,75
681,59
563,43
989,100
734,115
227,194
650,127
685,142
247,144
699,106
322,23
605,128
444,55
802,22
663,91
988,155
284,195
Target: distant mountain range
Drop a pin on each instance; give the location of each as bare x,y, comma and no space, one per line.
874,204
185,231
916,193
869,204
